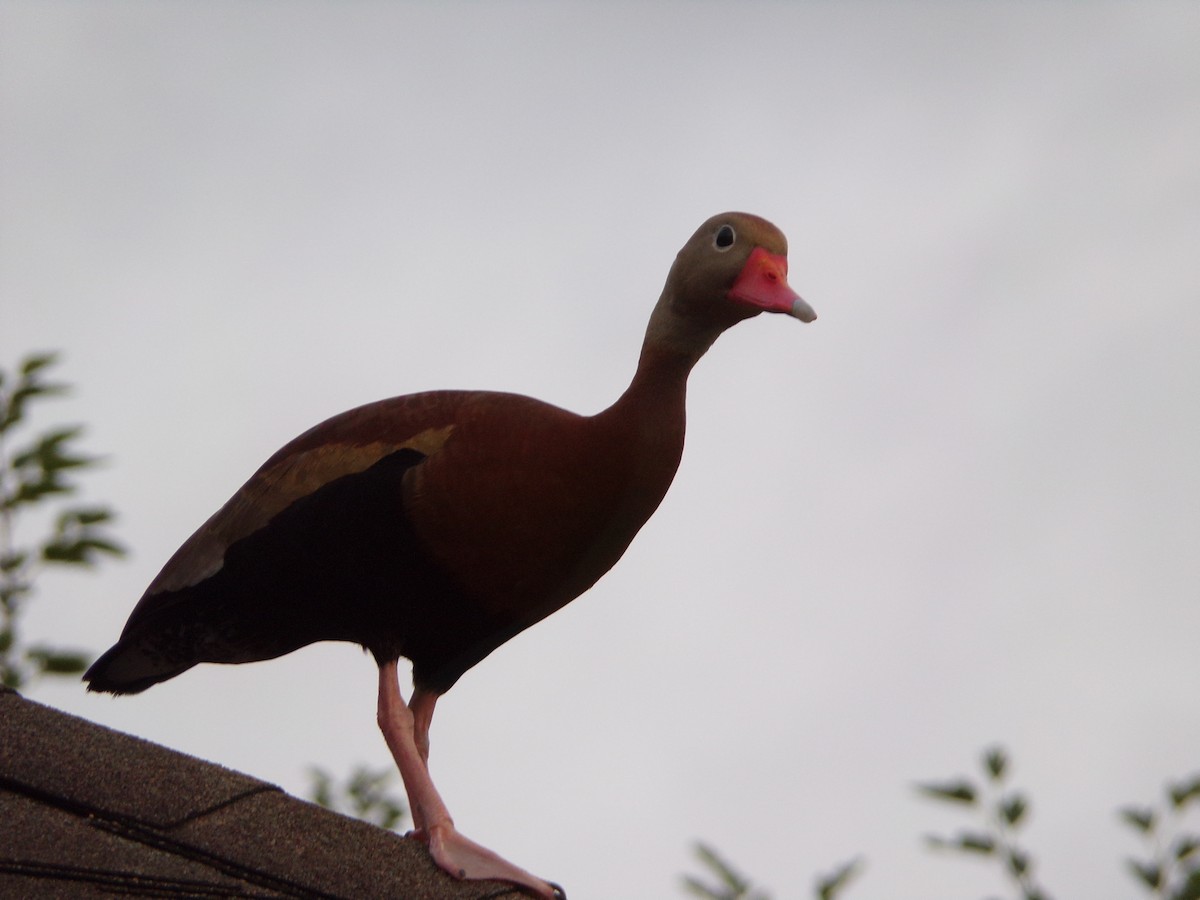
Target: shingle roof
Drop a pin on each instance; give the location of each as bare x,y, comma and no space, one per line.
86,811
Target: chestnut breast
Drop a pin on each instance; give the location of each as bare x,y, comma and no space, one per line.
526,505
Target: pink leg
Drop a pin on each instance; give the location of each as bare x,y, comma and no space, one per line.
407,734
422,704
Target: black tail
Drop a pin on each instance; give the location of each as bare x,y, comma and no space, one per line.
126,669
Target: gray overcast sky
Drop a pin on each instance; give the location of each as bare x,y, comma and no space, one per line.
962,507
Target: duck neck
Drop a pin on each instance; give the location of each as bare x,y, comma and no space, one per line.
654,403
644,429
674,339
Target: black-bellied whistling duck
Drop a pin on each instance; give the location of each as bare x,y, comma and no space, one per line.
437,526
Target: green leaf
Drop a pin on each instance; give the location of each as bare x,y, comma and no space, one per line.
47,444
77,540
320,791
81,551
85,515
64,552
967,841
11,677
830,886
694,886
52,451
995,762
1184,792
1149,874
1018,862
18,398
1141,818
59,662
36,362
1013,809
731,879
976,843
11,589
49,453
12,561
1185,846
100,545
31,492
961,791
1190,889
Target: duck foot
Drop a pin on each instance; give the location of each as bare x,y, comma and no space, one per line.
461,857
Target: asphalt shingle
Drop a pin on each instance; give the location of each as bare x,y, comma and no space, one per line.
86,811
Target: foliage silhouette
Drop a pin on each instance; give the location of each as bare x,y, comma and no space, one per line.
1168,870
34,475
1003,810
728,884
1172,871
364,794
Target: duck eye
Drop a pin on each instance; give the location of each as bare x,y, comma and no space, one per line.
724,237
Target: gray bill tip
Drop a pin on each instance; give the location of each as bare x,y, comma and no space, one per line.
803,311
